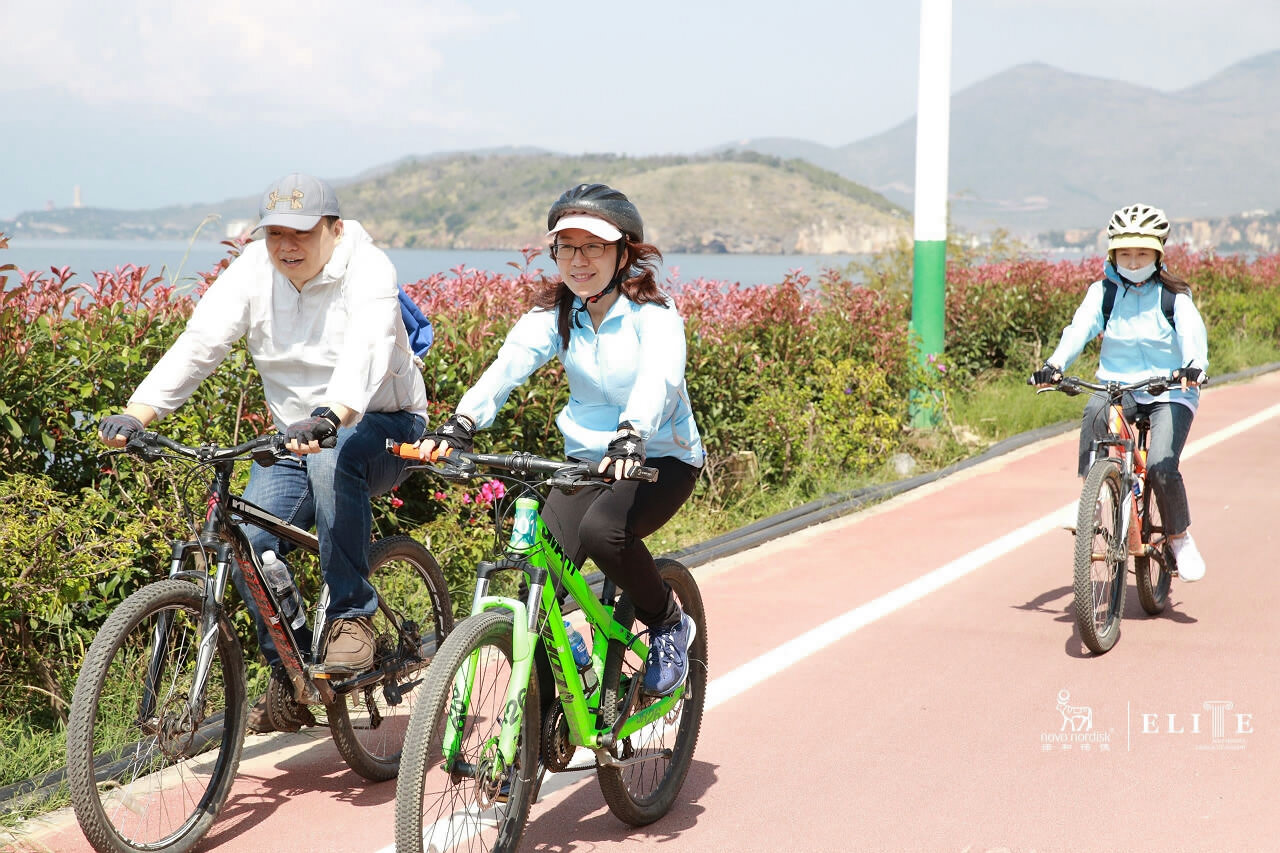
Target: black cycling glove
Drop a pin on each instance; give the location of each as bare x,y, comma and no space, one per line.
320,428
1191,374
627,447
123,426
1047,375
458,432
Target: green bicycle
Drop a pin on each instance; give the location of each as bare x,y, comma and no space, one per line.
487,726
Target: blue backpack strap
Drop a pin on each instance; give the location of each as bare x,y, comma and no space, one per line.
1108,300
417,325
1166,305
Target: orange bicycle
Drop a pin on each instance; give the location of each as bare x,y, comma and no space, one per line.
1118,518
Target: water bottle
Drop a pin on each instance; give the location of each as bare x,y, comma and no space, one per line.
581,656
524,524
277,575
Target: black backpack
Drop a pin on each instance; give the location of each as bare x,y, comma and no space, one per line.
1109,289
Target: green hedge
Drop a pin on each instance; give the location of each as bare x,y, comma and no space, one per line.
811,376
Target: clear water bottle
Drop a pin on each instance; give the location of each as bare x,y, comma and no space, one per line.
277,575
581,656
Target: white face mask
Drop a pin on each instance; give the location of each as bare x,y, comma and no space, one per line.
1139,275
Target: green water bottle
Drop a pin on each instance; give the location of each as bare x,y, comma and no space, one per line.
524,524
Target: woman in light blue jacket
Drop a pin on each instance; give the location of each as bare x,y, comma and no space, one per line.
622,345
1149,327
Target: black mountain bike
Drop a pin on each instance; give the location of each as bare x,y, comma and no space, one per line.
158,715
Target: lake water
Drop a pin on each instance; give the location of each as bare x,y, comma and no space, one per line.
178,261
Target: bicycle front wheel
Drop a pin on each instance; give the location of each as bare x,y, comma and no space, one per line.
149,763
472,803
414,615
1101,557
1152,574
657,758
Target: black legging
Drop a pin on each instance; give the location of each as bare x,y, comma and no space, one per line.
609,525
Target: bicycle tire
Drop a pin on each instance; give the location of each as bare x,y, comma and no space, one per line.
367,726
146,778
455,809
1100,584
642,792
1151,573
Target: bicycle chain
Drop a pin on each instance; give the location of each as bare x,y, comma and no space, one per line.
557,751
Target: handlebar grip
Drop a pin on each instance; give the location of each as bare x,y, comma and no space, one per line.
404,450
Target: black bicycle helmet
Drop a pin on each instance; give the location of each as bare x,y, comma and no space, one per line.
603,201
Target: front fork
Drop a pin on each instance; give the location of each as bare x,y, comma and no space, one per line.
211,607
524,639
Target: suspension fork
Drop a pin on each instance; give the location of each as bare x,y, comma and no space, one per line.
210,613
524,639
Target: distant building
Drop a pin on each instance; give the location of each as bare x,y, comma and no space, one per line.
75,197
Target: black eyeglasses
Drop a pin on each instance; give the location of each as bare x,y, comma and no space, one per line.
565,251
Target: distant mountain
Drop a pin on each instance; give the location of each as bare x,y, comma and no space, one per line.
1035,148
738,202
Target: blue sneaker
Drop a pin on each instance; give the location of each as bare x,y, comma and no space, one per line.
668,663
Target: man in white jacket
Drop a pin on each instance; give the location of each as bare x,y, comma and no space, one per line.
317,305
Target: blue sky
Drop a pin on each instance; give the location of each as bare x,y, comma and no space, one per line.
143,103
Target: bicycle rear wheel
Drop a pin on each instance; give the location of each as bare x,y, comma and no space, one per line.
145,772
467,806
660,754
414,615
1101,557
1152,573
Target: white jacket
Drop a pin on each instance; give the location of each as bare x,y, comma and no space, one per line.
340,340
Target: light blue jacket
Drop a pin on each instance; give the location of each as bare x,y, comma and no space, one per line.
632,369
1138,342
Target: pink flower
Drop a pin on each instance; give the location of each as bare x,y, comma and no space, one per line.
438,495
396,503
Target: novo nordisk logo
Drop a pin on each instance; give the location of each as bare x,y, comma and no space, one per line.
1215,725
1076,731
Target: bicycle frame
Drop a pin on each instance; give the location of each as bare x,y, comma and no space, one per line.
1126,443
221,536
546,558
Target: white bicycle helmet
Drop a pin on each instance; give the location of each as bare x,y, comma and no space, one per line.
1137,226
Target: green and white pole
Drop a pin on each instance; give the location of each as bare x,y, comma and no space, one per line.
933,128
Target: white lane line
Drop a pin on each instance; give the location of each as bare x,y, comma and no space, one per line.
771,663
752,673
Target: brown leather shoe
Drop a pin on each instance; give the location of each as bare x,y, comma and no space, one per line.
349,645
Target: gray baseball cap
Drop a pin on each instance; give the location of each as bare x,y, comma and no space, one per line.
297,201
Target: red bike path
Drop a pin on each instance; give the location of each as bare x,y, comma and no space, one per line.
909,678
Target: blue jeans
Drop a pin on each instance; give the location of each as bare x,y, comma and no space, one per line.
331,490
1170,425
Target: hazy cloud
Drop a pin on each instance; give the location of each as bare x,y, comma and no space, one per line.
235,57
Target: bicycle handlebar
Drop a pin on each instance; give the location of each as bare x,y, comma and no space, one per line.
464,466
149,446
1071,385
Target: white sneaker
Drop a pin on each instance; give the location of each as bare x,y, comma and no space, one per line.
1187,558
